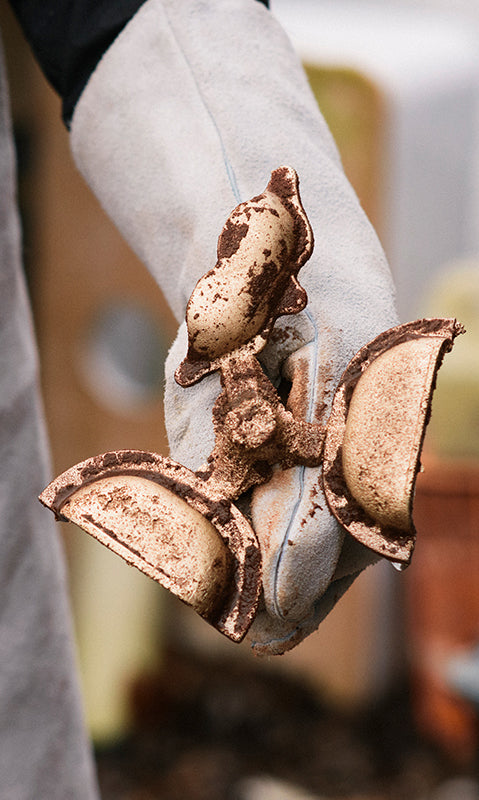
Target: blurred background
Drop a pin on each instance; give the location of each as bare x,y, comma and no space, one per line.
383,701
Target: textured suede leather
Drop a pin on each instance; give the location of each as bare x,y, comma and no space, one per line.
186,116
43,746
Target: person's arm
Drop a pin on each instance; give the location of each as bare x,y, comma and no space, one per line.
186,112
186,115
69,38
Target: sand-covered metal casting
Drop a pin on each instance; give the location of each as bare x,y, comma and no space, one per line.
182,528
376,430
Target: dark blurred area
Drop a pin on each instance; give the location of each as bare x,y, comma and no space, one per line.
210,729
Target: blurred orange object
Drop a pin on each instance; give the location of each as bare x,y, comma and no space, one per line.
442,590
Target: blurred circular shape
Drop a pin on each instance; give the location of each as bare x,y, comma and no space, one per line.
121,356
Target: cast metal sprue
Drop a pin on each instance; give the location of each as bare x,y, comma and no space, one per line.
182,528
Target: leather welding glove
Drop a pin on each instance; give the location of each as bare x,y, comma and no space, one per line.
186,115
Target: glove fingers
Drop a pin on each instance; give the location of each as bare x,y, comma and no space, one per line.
270,636
300,540
354,558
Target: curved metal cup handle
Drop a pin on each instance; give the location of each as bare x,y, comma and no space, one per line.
376,430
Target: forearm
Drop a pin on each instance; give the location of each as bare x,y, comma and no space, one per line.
69,37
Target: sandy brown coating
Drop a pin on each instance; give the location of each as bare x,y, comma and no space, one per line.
261,249
370,465
234,574
254,431
182,528
143,506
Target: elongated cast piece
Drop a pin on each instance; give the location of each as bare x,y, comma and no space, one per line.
261,249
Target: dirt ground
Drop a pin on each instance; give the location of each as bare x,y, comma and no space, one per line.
204,728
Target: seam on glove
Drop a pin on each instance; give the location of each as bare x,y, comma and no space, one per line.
285,541
301,469
277,645
228,165
280,640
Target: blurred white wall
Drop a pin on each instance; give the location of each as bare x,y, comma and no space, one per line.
423,58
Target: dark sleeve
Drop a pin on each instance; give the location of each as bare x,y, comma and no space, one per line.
68,38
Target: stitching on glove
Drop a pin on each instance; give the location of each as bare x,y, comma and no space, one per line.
301,472
279,640
228,165
319,610
284,543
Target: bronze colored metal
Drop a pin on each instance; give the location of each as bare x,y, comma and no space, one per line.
159,517
376,430
182,528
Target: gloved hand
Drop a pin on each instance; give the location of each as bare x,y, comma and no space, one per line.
185,117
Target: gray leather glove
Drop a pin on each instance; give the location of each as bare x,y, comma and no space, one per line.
44,750
186,116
